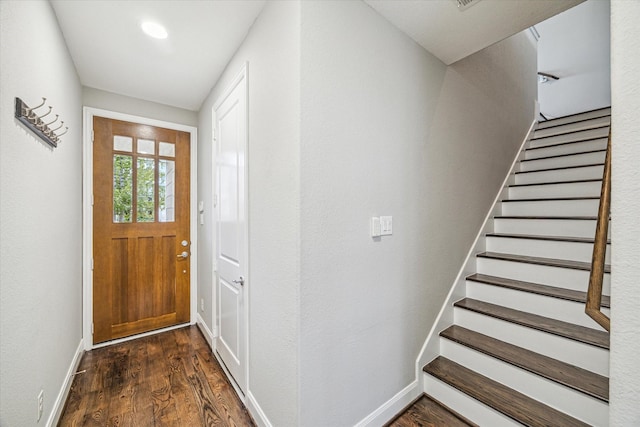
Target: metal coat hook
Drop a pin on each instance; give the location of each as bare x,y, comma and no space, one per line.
28,117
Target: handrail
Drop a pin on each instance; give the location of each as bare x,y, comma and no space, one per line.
594,293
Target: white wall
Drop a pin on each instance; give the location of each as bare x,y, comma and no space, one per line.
97,98
40,214
272,51
387,129
625,211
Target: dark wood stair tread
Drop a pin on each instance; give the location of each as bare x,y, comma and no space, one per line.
536,288
551,262
571,376
569,218
576,181
560,168
555,119
549,238
550,199
541,323
509,402
540,138
576,141
563,155
427,411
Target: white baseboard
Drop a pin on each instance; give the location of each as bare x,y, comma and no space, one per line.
256,411
392,406
208,335
58,405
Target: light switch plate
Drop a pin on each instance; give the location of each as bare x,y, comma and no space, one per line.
375,226
386,225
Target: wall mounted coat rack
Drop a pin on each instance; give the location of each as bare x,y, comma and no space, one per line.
37,125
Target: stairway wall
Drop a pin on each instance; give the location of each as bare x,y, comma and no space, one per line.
387,129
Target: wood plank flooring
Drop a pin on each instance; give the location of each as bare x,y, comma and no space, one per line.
168,379
427,412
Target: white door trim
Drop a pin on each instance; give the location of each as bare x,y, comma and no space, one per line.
241,78
87,216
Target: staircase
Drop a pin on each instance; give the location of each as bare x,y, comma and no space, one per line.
521,350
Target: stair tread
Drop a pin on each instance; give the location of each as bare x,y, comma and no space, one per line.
555,119
569,133
427,411
536,288
541,323
550,238
558,144
571,376
550,199
560,168
551,262
579,218
574,181
509,402
563,155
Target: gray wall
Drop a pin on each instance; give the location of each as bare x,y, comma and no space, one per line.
40,216
625,211
97,98
272,52
387,129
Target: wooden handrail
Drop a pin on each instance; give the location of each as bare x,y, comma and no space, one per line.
594,293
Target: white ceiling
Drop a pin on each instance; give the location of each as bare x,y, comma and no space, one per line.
451,34
112,53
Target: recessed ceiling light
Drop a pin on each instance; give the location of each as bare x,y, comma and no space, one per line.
154,30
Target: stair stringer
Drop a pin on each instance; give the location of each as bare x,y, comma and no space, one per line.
431,347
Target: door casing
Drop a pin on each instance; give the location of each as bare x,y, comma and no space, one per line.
87,216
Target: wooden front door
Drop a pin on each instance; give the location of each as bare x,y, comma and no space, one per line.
141,244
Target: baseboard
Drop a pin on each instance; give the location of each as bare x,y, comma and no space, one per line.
208,335
430,348
259,417
391,407
58,405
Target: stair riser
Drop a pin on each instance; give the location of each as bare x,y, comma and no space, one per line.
572,127
559,175
567,400
554,308
578,117
571,137
587,207
541,191
546,227
558,150
465,405
573,251
563,162
592,358
567,278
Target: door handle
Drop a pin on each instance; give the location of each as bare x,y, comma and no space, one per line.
183,255
240,281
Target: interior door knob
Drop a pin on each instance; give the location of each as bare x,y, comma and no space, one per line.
240,281
184,255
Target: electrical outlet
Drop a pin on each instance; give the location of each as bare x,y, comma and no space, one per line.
40,404
201,304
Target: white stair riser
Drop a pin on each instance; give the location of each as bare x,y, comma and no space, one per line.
564,399
571,137
545,275
586,356
563,161
574,148
572,127
573,251
466,405
559,175
546,227
547,191
578,117
554,308
584,207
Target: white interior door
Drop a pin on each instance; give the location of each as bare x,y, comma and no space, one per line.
231,227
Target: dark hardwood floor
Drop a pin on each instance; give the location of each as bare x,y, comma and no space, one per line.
169,379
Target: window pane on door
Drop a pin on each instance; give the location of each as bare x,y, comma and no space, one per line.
122,188
146,146
166,190
145,189
167,149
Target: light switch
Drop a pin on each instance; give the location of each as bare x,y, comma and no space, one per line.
386,225
375,226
